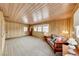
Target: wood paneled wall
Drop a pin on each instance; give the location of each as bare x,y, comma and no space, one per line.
58,27
2,33
15,30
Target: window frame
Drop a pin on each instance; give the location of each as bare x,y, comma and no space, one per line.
39,26
45,28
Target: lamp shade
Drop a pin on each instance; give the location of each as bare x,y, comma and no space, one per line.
72,41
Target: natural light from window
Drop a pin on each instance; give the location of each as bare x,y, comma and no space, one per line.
25,29
77,31
35,28
46,28
42,28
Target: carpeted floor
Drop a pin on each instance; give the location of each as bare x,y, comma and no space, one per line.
27,46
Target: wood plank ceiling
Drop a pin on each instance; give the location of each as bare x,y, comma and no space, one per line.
27,13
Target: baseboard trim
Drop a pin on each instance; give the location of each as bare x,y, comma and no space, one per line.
16,37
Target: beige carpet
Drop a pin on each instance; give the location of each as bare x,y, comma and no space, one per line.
27,46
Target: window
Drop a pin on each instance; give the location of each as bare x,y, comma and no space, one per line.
35,28
39,28
46,28
77,31
25,29
42,28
